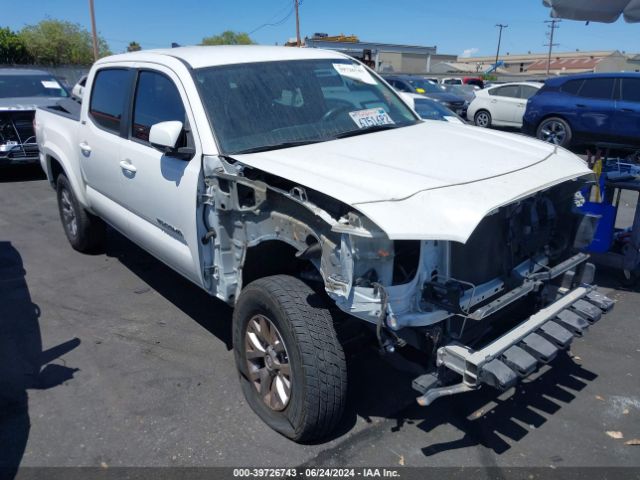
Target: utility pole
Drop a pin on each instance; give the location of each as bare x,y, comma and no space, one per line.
500,26
93,31
297,4
553,24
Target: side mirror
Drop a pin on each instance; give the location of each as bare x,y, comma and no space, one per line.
164,135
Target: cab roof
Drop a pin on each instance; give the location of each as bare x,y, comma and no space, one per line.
209,56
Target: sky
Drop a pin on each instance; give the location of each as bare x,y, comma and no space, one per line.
461,27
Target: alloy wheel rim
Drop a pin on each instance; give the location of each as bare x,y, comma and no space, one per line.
482,120
68,213
553,132
268,362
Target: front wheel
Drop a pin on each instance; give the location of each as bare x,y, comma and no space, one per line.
291,364
555,130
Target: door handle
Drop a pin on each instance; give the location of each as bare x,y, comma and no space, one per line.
126,165
628,110
85,148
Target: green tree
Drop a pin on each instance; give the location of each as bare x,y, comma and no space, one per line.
12,48
228,38
134,47
56,42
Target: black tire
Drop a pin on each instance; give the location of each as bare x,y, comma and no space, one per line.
482,119
318,381
555,130
86,233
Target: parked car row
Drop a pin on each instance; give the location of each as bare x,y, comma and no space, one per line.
575,110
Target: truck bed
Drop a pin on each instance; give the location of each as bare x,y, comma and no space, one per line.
66,108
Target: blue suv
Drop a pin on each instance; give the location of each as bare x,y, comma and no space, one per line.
586,110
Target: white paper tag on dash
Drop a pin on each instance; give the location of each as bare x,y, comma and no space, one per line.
50,84
371,117
355,72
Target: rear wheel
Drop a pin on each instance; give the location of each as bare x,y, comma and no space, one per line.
555,130
291,364
482,119
85,232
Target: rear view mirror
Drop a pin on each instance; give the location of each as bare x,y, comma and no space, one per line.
164,135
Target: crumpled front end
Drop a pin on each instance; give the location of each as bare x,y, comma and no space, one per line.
489,310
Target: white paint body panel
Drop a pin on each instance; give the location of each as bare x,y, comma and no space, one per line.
433,180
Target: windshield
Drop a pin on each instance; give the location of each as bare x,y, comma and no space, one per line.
432,110
268,105
425,85
14,86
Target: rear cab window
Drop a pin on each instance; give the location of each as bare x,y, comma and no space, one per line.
110,89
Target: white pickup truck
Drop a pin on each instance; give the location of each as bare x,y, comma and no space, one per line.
287,181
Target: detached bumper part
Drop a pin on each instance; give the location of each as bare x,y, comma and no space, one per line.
518,352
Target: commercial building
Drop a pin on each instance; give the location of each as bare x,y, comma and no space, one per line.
383,57
563,63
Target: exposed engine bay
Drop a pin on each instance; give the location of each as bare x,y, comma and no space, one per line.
17,137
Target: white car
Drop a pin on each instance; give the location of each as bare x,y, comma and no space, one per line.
502,105
289,181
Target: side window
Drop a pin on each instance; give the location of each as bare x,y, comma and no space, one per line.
110,87
572,87
601,88
527,91
507,91
157,100
631,89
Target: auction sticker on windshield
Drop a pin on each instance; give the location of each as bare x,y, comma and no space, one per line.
371,117
50,84
355,72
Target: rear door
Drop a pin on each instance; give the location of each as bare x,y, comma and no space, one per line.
101,137
503,103
160,190
626,124
595,108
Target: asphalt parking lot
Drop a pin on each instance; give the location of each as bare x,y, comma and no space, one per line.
115,360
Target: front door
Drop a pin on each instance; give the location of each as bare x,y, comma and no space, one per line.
160,190
504,103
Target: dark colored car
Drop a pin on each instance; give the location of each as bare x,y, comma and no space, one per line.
21,92
429,109
409,84
586,109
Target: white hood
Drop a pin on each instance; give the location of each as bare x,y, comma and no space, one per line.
433,180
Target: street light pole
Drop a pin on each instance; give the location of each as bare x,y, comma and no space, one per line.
500,26
93,30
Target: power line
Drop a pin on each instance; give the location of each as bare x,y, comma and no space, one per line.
279,22
552,25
